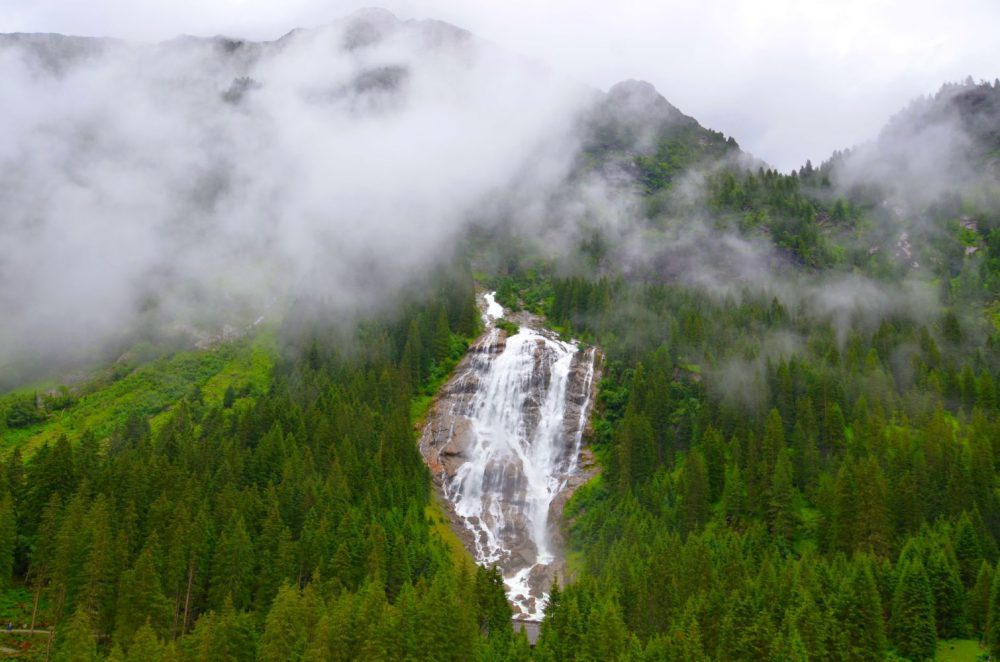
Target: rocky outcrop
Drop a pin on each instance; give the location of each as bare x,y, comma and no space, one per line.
504,442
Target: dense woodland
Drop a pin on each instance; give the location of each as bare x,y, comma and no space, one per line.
293,525
831,496
776,481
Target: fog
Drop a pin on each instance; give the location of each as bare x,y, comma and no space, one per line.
183,186
792,80
192,180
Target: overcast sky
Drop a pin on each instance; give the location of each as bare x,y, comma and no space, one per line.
790,79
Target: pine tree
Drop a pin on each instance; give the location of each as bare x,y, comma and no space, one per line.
229,397
494,612
773,443
102,568
232,566
967,551
635,449
949,596
912,624
271,552
714,449
871,521
141,600
412,359
146,647
694,506
812,625
606,637
286,629
834,426
845,511
734,495
993,618
979,600
686,639
781,514
67,564
747,630
859,614
807,459
982,475
75,640
227,635
789,647
442,337
8,539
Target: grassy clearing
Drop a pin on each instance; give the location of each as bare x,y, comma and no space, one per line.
16,604
959,650
150,390
574,566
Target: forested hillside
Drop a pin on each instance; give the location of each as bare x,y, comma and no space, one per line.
293,523
801,471
235,280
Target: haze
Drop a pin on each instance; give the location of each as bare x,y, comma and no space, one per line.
790,80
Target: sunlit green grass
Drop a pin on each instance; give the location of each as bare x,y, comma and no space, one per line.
150,390
959,650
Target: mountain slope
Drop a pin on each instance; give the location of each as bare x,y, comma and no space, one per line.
634,128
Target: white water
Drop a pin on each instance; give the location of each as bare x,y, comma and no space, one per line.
521,452
494,310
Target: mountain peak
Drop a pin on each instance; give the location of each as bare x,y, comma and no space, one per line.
640,98
372,14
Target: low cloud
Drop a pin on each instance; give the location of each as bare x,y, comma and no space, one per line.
166,182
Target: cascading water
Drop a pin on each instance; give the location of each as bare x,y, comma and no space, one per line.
504,442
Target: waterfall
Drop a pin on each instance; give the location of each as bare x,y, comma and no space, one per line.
504,442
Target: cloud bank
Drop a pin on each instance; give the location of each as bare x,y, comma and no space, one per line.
791,80
208,175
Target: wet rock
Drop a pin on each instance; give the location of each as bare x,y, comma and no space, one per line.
505,444
460,437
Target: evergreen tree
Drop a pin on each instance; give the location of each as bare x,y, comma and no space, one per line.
967,551
686,640
773,443
859,614
8,539
949,596
871,517
494,612
912,625
979,600
442,337
605,637
226,635
714,450
993,618
146,647
286,629
141,600
75,641
229,397
789,647
636,451
232,566
781,513
734,494
694,506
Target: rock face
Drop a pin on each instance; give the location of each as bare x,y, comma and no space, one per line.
504,444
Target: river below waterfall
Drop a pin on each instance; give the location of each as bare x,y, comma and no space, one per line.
504,442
